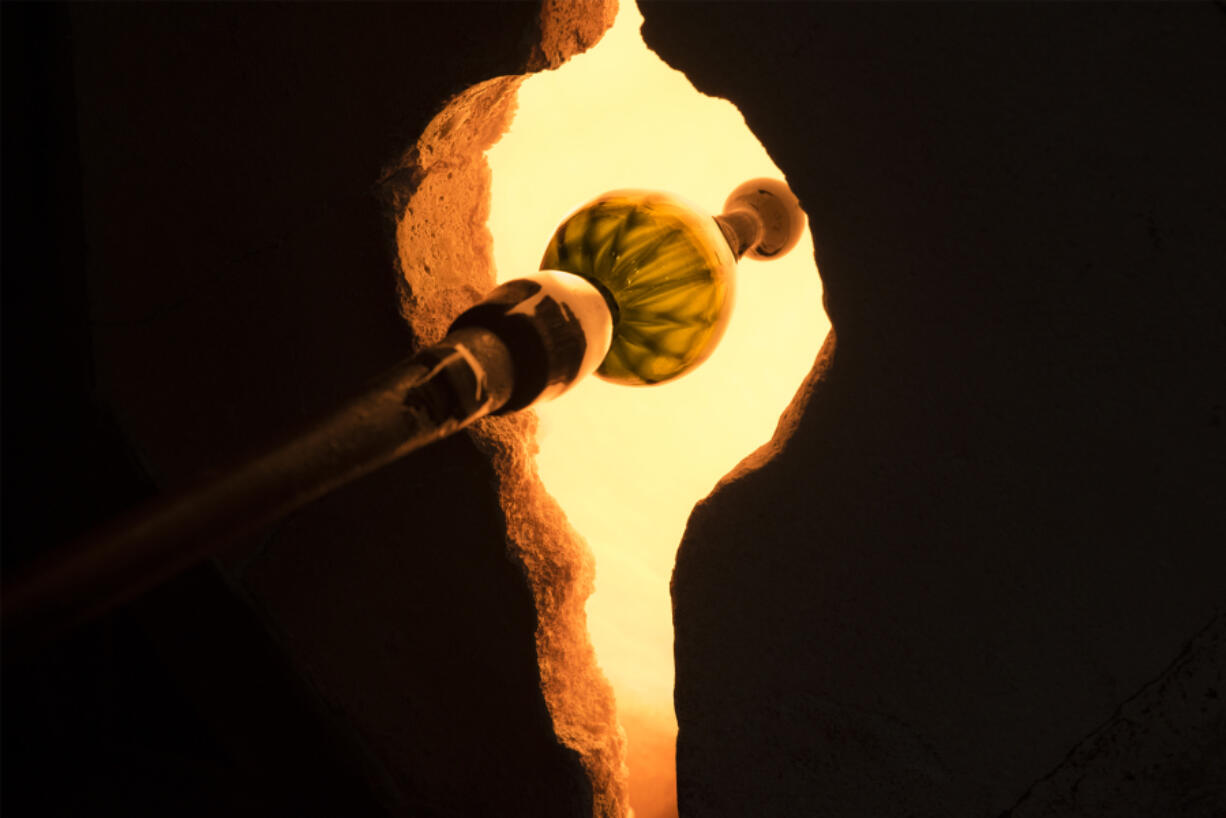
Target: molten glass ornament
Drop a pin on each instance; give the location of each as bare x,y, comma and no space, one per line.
666,271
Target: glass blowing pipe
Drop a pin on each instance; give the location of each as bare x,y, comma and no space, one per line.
635,286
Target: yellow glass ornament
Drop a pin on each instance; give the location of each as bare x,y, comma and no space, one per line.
667,272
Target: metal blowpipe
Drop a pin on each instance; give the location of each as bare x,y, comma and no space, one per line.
635,286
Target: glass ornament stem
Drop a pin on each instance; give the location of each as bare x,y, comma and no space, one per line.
741,228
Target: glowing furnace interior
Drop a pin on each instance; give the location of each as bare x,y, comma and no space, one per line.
628,464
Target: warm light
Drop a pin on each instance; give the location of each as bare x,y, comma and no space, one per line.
628,464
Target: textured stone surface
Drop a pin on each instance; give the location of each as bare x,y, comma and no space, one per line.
1159,754
569,27
998,514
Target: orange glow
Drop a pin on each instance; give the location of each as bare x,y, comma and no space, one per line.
628,464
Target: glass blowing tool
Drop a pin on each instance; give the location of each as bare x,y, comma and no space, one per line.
635,286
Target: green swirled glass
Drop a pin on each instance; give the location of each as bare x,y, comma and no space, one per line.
668,269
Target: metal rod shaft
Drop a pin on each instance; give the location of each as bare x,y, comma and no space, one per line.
435,393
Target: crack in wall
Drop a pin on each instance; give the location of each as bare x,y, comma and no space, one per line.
442,190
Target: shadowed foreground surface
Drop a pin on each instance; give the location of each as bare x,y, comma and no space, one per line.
195,262
971,581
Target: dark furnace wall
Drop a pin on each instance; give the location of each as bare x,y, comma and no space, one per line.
195,261
984,574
